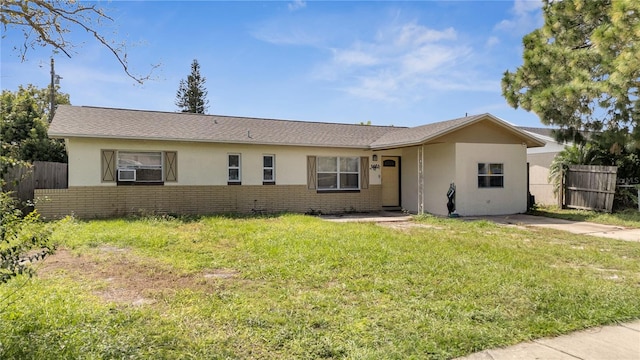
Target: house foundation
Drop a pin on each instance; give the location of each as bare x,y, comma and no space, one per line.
87,202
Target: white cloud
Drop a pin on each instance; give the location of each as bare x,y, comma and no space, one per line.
524,7
527,16
292,37
76,75
297,5
492,41
354,57
402,62
413,34
505,25
462,81
378,87
430,58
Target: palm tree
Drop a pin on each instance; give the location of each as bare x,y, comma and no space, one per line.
583,154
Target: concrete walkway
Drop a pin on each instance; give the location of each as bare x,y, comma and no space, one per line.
621,342
377,217
576,227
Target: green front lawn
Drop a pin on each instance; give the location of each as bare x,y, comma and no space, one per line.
295,286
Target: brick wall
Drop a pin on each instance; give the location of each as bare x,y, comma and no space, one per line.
102,201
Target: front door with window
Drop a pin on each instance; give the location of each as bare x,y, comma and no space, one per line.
390,181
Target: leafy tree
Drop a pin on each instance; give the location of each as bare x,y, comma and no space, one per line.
612,152
581,69
23,129
47,23
192,95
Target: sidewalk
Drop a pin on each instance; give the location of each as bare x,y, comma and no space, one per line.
621,342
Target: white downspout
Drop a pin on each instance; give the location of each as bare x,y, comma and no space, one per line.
421,180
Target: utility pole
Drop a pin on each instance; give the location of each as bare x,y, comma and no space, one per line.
52,91
55,79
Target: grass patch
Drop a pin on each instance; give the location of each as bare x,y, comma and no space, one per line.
627,218
294,286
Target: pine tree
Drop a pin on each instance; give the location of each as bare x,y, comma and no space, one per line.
192,95
581,69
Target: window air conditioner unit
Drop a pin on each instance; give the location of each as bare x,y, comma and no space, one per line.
126,174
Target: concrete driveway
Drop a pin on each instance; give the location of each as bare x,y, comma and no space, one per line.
576,227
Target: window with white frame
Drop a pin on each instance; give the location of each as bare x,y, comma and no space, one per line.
490,175
234,173
268,169
139,166
338,173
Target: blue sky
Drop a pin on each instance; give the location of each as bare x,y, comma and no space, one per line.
391,63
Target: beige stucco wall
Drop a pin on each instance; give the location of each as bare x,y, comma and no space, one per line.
540,160
439,172
486,132
375,175
539,185
202,164
409,179
447,162
511,199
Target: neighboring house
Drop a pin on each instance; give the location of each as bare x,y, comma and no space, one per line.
540,159
130,161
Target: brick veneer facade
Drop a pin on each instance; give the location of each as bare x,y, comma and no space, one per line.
111,201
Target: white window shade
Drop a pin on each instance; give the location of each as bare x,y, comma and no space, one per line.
146,165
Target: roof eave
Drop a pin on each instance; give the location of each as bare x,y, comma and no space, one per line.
396,145
430,137
237,142
530,140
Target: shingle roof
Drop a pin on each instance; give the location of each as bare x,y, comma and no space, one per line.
80,121
422,133
547,134
537,130
425,133
95,122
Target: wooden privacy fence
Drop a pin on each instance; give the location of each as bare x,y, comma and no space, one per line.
590,187
42,175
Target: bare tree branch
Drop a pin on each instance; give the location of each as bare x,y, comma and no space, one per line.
46,23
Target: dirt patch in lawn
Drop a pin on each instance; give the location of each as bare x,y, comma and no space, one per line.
119,276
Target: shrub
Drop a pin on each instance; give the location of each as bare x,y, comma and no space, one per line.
23,239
